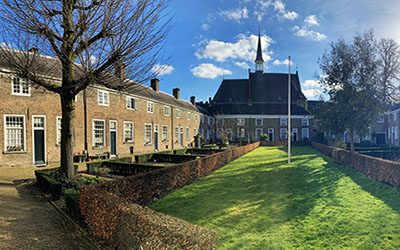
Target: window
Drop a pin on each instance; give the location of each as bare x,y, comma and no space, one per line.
259,132
189,116
150,107
128,132
103,97
283,134
304,122
210,120
304,133
167,111
178,113
241,132
187,134
195,132
164,135
14,130
396,133
176,134
147,133
283,121
394,116
259,122
20,87
240,121
131,103
99,133
195,117
202,118
58,126
380,119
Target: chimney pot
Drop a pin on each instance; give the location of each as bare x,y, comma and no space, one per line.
193,100
155,84
176,93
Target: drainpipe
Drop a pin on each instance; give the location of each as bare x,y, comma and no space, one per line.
86,152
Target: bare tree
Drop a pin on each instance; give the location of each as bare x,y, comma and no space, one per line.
224,130
389,57
88,40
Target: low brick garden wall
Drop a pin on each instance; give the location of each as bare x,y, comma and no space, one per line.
103,216
375,168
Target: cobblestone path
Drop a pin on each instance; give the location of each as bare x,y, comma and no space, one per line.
28,221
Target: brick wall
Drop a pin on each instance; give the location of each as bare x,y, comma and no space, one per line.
375,168
47,104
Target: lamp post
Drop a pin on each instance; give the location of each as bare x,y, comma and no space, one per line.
289,112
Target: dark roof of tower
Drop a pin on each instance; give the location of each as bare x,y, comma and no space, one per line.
259,57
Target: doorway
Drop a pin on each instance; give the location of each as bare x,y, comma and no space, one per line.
156,137
39,140
295,134
271,135
113,138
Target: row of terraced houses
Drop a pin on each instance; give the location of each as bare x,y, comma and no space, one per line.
143,119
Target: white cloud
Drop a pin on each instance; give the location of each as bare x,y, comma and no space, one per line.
244,49
311,84
279,63
291,15
281,8
242,65
162,69
312,93
209,70
236,14
307,33
311,21
205,27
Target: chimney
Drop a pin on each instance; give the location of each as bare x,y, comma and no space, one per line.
209,100
155,84
33,50
176,92
120,70
193,100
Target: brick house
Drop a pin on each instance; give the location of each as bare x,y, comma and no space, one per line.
139,120
248,108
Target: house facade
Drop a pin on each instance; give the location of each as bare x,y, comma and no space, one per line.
139,120
245,109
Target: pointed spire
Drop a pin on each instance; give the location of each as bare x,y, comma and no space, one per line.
259,57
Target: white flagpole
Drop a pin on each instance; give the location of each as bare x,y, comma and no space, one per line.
289,113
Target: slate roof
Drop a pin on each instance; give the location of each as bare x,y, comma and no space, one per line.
48,65
266,92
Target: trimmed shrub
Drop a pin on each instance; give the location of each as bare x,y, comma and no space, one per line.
48,184
143,228
71,197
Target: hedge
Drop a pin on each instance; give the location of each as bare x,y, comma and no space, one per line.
375,168
101,204
47,184
120,168
71,197
160,231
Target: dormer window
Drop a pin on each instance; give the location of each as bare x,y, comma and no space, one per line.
20,87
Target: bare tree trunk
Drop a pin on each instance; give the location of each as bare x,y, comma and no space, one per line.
351,140
67,127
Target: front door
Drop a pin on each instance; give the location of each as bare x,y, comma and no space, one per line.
294,134
181,136
271,135
113,138
156,137
39,134
380,139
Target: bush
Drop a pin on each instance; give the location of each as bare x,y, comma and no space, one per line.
143,228
71,197
47,183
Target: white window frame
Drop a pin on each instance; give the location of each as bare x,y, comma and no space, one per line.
261,133
187,133
305,133
189,116
21,83
23,131
129,103
381,119
178,114
93,133
150,107
101,97
283,121
394,116
396,132
305,121
133,132
283,134
195,117
167,110
259,119
58,130
148,142
240,121
164,133
176,134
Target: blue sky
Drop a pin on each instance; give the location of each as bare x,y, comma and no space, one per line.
212,39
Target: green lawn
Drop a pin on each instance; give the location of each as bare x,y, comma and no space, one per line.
261,202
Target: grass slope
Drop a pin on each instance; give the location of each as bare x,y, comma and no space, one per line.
260,202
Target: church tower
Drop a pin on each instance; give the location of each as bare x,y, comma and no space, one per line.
259,59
